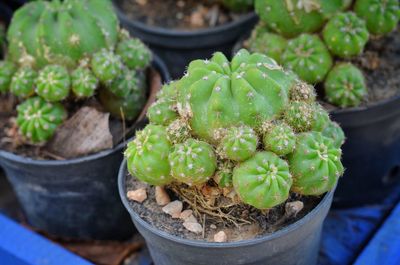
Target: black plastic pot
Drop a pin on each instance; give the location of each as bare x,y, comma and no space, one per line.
179,48
371,154
297,243
75,198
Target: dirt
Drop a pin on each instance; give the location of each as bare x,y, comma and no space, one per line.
11,141
261,222
177,14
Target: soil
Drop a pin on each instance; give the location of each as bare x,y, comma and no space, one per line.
12,142
177,14
260,222
380,63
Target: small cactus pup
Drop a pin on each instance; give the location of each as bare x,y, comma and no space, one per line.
134,53
148,156
315,164
53,83
38,119
245,128
7,70
345,86
106,65
84,83
270,44
291,17
308,57
263,181
381,16
345,34
23,82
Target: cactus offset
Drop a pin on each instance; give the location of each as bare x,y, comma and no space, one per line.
148,156
334,132
84,83
270,44
308,57
217,114
23,82
38,119
106,65
345,35
7,70
315,164
238,143
263,181
345,86
279,138
134,53
53,83
381,16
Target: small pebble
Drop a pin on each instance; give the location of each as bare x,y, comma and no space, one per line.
213,226
293,208
162,197
220,237
186,214
174,209
193,227
139,195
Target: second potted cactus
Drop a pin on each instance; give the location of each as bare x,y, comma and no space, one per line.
351,54
55,69
234,140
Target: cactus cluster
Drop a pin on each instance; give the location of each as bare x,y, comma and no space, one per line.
244,125
82,54
289,32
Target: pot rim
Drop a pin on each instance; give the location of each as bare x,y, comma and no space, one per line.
183,33
157,64
203,244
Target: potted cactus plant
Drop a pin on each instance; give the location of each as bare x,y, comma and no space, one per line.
236,141
189,30
350,49
70,67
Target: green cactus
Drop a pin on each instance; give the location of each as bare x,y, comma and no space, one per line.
270,44
345,35
38,119
192,162
213,118
334,132
315,164
53,83
125,84
280,139
147,156
291,17
331,7
162,112
308,57
345,86
381,16
302,91
61,32
263,181
84,83
106,65
7,70
217,94
134,53
23,82
238,143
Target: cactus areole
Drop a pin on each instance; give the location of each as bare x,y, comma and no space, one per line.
66,50
246,125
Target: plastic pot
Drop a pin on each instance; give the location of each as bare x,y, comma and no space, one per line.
297,243
178,48
371,153
74,198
